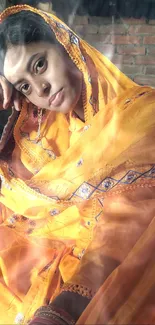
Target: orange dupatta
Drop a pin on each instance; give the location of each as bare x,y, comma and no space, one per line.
49,228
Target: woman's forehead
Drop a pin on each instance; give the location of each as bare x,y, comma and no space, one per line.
17,58
26,49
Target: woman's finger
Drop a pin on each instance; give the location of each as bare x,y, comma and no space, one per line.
27,100
7,90
17,100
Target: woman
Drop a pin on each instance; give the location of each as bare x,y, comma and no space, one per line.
77,188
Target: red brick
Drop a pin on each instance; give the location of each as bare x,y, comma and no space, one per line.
150,70
94,39
142,29
145,59
113,29
130,50
80,20
99,20
125,40
146,81
83,30
152,22
132,69
151,50
149,40
129,70
100,47
107,50
133,21
91,29
120,59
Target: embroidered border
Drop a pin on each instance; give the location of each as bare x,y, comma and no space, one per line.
86,190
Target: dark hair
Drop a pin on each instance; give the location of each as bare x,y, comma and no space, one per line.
23,28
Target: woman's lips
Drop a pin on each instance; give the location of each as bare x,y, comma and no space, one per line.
57,99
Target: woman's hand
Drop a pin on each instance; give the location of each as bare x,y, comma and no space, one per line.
9,96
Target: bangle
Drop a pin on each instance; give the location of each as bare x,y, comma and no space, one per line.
79,289
51,313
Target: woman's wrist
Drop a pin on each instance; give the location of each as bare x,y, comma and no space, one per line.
48,315
73,303
64,310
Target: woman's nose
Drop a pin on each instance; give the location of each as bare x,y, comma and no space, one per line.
43,89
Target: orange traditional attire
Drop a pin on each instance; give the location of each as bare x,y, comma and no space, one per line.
78,206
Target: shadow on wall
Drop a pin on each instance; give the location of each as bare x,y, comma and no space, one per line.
2,5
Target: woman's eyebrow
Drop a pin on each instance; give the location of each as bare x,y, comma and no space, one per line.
28,67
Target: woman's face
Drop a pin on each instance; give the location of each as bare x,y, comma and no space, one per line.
45,74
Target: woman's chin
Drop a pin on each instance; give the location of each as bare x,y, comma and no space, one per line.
64,108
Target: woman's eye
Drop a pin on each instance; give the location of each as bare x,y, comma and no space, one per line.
25,89
40,66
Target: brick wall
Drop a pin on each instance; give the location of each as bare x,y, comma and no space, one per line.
128,43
